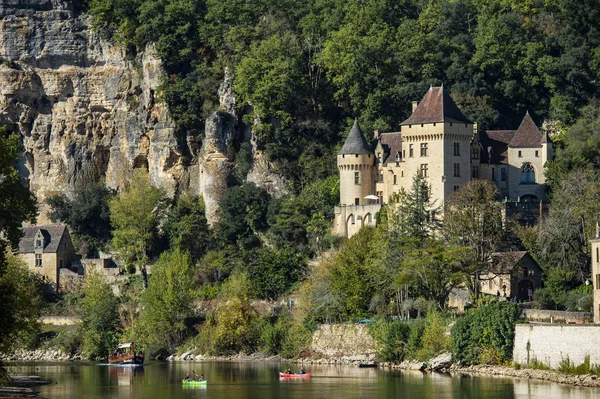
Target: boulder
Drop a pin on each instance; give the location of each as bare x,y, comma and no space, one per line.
440,362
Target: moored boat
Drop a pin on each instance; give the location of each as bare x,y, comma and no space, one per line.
125,354
284,375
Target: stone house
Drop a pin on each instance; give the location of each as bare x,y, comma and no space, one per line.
512,274
440,143
46,250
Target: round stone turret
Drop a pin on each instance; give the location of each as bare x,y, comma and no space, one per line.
355,162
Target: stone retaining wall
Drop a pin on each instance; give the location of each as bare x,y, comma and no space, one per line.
550,344
349,341
558,316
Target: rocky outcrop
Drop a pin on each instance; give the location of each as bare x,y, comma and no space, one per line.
84,110
23,355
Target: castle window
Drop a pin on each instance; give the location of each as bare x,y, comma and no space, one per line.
380,196
38,260
456,188
424,149
457,149
60,264
475,172
395,179
537,154
403,153
493,174
520,154
38,244
411,151
356,177
597,254
502,174
456,170
598,281
527,173
379,157
381,176
356,202
424,170
475,153
356,156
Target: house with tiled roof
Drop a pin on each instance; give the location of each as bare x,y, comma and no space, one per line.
514,160
46,250
512,274
440,143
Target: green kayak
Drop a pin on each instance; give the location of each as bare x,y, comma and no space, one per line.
192,382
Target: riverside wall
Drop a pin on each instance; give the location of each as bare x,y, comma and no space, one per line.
347,342
550,344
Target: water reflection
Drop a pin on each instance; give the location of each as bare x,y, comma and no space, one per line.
246,380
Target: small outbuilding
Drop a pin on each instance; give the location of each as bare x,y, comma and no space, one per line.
512,274
47,249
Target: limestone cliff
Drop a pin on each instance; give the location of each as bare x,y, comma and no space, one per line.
86,112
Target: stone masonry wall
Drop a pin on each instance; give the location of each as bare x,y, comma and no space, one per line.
343,341
552,343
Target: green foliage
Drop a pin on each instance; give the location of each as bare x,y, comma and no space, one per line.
283,335
17,203
392,336
186,227
485,333
134,215
168,301
87,215
99,314
435,338
273,271
567,366
353,275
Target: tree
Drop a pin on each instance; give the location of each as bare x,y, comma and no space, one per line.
186,227
20,308
433,269
99,314
473,218
168,301
412,213
134,215
17,203
87,215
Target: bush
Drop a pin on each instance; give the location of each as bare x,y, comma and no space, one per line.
392,336
434,338
485,334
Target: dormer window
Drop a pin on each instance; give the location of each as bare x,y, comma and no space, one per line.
38,244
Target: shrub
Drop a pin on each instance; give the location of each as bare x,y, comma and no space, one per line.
434,338
490,326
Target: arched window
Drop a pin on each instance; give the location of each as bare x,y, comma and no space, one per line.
527,173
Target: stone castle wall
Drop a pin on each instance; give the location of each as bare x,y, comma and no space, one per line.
550,344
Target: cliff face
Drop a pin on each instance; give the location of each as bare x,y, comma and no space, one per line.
87,112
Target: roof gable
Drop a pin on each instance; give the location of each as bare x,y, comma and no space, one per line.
527,135
356,142
495,145
52,234
436,107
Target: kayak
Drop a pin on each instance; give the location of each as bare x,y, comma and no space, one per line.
193,382
282,375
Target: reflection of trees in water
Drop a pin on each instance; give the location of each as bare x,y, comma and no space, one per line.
119,375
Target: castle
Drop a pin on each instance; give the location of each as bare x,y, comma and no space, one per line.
444,146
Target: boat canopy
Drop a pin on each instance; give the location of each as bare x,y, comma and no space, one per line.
125,346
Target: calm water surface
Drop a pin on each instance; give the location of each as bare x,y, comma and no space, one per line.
246,380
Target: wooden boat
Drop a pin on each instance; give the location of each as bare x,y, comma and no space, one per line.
283,375
193,382
125,354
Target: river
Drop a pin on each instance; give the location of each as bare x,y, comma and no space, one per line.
246,380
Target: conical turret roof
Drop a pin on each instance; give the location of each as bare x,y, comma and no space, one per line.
527,135
436,106
355,143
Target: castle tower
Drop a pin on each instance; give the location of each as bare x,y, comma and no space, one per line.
596,273
355,163
436,142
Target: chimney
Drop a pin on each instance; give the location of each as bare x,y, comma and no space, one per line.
376,134
415,104
598,229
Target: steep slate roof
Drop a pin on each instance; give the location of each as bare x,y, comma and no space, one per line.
52,235
505,262
392,144
497,141
355,143
436,106
527,135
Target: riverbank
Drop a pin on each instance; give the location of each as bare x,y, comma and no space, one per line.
584,380
18,387
38,355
